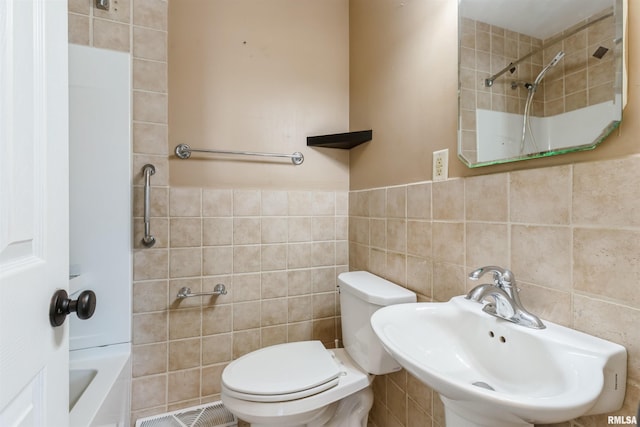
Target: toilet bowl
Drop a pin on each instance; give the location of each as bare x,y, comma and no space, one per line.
342,378
305,384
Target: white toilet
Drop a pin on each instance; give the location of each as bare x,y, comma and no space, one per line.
304,384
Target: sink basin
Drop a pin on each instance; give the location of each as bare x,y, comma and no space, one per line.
491,372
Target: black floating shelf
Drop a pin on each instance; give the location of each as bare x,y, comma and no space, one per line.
345,141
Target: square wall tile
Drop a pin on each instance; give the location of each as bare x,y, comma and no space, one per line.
216,349
149,44
605,263
185,262
111,35
274,229
148,392
217,260
486,198
541,196
217,203
607,193
245,342
300,203
185,202
150,13
487,244
246,231
150,107
185,232
149,359
396,206
246,287
150,264
150,138
324,203
448,200
217,319
542,255
275,203
149,328
183,385
149,296
359,203
79,29
217,231
448,242
246,202
150,75
184,354
419,201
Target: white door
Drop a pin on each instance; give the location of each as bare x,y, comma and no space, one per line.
33,211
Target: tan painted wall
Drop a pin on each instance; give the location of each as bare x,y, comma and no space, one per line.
404,57
261,76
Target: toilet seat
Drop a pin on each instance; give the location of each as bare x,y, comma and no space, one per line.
352,381
282,373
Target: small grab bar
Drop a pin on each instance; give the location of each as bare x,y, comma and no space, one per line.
148,240
183,151
185,292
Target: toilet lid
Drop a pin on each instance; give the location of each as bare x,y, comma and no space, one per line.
282,372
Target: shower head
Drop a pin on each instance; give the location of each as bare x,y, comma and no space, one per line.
550,65
600,52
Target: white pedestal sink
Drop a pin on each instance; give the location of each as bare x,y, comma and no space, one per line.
491,372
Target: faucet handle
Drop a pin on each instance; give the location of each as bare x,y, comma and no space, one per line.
501,276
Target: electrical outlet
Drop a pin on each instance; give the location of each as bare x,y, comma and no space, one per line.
441,165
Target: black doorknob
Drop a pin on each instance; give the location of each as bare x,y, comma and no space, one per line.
61,305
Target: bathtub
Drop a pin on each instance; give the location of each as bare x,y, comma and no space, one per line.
99,384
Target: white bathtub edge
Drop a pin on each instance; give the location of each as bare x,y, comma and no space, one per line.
113,365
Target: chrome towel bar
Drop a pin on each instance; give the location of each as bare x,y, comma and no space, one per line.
185,292
183,151
148,240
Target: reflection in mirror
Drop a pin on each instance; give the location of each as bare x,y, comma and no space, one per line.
537,77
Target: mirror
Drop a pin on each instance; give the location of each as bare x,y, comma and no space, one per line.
537,77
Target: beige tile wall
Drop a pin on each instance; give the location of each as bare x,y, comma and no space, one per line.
485,50
277,252
571,235
579,80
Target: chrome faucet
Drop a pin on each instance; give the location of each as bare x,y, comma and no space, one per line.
505,295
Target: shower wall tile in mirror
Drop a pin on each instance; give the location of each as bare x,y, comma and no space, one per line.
585,77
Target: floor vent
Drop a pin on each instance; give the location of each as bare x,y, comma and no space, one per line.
209,415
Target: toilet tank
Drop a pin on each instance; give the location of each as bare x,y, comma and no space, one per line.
361,294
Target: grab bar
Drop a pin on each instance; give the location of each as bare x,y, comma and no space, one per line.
185,292
148,240
183,151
